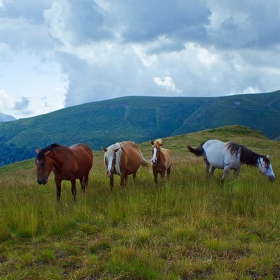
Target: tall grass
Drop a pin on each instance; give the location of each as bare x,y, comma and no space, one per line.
184,228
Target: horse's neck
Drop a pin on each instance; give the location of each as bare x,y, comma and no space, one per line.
249,157
59,161
160,158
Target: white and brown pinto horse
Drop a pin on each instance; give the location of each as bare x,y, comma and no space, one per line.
229,156
161,159
123,159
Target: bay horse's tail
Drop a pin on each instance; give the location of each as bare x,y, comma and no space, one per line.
198,151
144,162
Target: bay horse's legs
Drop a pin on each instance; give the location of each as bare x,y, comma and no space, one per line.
73,188
58,189
84,182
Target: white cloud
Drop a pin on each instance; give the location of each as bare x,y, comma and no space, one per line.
167,83
147,60
55,18
5,100
251,90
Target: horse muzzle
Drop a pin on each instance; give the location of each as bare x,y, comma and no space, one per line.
42,181
110,173
271,178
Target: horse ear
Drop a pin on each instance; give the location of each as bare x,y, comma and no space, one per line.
116,150
104,149
267,156
47,153
152,142
37,150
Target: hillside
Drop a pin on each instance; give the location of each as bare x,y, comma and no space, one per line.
138,119
6,118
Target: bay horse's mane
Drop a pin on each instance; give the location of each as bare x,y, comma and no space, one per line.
247,156
40,155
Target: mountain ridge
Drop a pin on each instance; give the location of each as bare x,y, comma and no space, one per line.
6,118
137,119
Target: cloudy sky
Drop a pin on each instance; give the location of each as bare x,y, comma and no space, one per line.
60,53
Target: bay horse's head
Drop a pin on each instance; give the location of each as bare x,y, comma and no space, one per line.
156,149
265,167
44,164
110,159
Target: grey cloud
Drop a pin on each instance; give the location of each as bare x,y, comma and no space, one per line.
22,34
250,24
87,22
178,19
173,23
22,104
22,25
28,9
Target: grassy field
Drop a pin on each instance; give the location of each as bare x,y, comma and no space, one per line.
184,228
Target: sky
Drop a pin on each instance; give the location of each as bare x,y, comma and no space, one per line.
60,53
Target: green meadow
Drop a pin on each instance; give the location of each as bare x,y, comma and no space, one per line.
185,228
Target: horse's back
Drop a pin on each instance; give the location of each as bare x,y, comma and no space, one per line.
129,145
167,157
213,143
215,151
83,156
130,149
131,158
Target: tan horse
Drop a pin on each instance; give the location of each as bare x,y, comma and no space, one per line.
161,159
123,159
66,163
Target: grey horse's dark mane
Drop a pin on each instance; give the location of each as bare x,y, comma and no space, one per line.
46,149
247,156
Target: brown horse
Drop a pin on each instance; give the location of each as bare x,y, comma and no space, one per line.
161,159
123,159
66,163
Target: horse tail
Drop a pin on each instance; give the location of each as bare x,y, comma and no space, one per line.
198,151
144,162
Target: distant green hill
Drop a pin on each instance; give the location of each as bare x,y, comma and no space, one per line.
138,119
